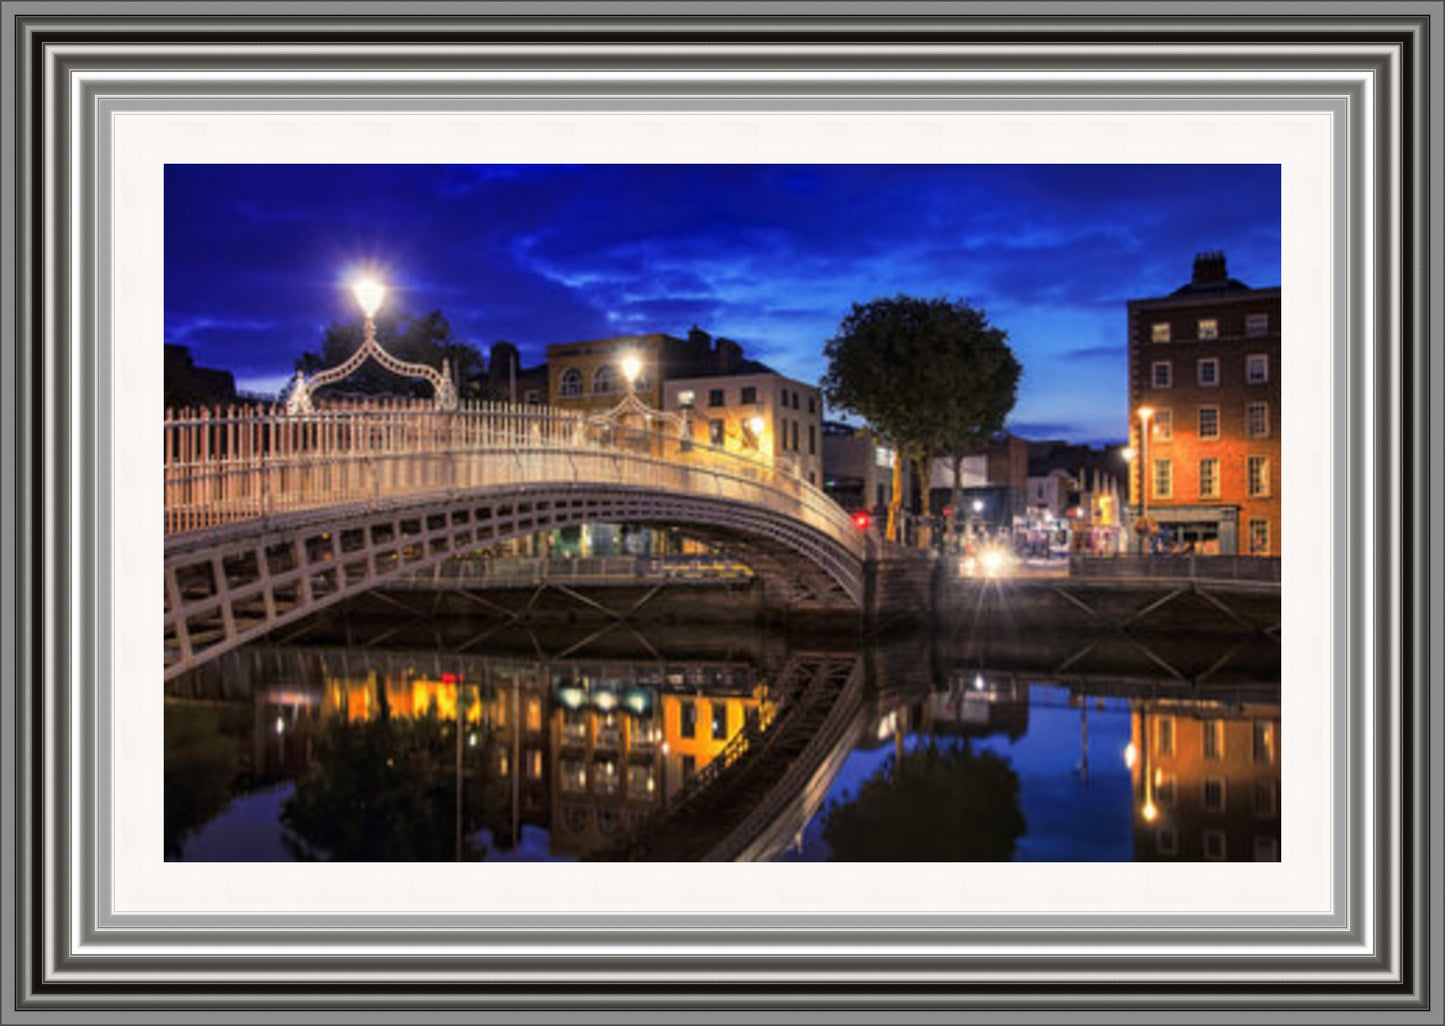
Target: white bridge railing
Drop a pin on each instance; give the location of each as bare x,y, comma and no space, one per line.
242,463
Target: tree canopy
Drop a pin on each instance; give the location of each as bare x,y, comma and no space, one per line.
427,339
931,376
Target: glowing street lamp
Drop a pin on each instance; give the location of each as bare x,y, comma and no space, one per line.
631,366
755,427
369,293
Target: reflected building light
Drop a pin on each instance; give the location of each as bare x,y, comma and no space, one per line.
1131,755
280,725
1150,812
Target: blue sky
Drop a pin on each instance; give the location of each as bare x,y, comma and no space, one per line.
257,257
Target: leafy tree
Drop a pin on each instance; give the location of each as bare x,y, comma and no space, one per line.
931,376
427,339
938,803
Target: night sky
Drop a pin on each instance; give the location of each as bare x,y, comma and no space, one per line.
257,257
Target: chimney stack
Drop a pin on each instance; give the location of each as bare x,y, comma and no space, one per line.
1209,268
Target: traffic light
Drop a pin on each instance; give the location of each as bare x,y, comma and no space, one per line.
862,520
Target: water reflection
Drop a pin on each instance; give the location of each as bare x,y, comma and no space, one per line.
925,750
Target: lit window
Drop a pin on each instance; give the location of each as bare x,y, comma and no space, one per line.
1164,425
1208,329
534,763
1256,368
1212,732
1257,475
719,721
1259,537
1256,420
1256,325
1209,422
1263,740
1162,374
1159,332
604,380
1209,478
570,383
1209,372
534,714
1163,479
1214,845
1214,795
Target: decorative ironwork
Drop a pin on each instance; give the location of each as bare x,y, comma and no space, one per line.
296,397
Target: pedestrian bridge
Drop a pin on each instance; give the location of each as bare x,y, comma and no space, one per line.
271,516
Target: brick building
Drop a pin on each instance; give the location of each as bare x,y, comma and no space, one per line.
1204,383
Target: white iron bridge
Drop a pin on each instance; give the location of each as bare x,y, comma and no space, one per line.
271,516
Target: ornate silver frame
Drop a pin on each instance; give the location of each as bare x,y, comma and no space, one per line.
1374,69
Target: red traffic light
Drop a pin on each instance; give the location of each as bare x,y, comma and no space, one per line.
862,520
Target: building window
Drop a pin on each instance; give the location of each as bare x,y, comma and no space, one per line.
1162,373
1159,332
1257,476
1164,791
1256,368
1259,537
794,435
715,397
783,395
1214,795
1256,420
1266,799
1163,479
719,721
689,768
686,399
1212,736
812,440
1266,849
1256,325
1166,841
795,400
687,716
1164,736
534,763
812,404
1208,329
1164,425
1214,845
715,433
533,397
1209,478
1209,422
1263,740
534,714
1208,371
750,395
604,380
570,384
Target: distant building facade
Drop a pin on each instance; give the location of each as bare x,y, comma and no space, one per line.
588,375
507,379
1204,376
857,471
189,385
749,408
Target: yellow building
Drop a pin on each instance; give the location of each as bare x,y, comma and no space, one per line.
755,411
590,377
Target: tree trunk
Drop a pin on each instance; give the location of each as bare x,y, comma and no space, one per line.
957,498
924,465
896,499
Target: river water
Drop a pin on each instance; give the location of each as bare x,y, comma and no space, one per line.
422,740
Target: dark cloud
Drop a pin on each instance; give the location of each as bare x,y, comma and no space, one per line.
257,256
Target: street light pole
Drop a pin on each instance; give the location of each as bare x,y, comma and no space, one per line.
1145,412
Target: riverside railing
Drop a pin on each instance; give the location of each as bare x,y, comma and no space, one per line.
241,463
1249,569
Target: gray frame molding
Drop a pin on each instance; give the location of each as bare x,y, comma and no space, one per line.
1375,72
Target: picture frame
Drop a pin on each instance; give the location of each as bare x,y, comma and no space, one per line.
77,948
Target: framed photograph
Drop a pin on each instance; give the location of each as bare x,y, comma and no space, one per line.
720,511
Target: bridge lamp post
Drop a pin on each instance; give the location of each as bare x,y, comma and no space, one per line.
369,293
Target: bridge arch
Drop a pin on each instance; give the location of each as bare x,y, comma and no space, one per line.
336,505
